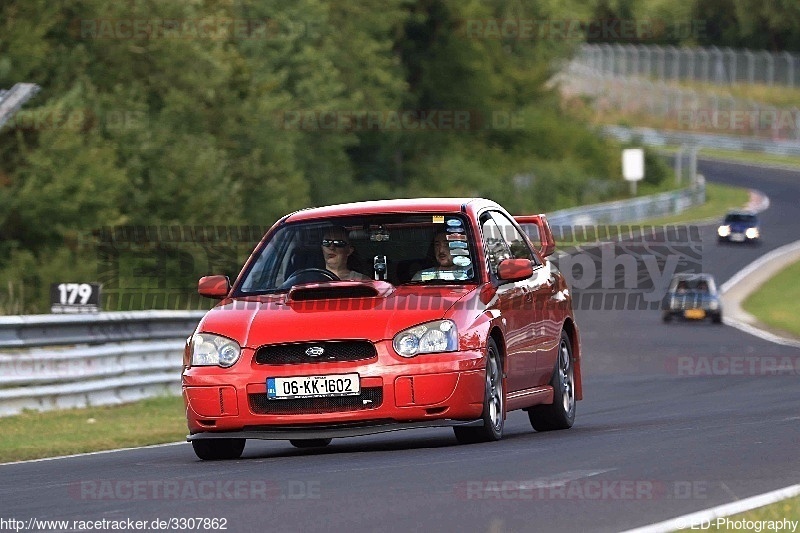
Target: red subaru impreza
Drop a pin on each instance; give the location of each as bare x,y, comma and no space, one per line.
378,316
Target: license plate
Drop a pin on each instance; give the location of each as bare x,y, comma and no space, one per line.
737,237
313,386
694,313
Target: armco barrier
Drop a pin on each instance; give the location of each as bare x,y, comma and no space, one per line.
62,361
631,210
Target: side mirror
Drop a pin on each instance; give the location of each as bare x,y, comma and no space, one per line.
538,229
514,269
216,287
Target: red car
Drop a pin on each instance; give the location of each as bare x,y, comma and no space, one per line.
378,316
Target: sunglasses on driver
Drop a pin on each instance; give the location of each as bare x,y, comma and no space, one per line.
336,243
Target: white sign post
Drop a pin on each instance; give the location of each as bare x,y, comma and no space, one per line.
633,166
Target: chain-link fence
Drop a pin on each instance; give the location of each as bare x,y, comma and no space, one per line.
617,89
708,65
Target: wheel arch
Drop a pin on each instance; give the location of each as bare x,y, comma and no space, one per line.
571,329
497,335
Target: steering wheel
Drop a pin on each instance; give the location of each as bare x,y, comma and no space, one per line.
309,275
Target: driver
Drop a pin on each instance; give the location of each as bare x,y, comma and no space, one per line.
336,249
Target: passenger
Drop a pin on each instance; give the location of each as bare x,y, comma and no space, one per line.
338,254
444,260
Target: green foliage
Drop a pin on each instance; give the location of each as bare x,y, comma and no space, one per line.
750,24
165,114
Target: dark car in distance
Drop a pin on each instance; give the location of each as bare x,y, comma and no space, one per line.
739,226
693,297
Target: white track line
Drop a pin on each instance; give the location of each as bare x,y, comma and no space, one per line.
709,515
779,257
101,452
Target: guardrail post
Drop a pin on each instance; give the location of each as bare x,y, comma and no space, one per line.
704,65
770,68
679,164
693,165
751,66
732,55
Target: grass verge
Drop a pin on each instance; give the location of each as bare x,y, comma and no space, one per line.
788,509
743,157
33,435
775,302
719,199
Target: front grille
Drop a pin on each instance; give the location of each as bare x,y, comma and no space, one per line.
370,398
309,352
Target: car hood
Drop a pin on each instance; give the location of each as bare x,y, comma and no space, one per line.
373,311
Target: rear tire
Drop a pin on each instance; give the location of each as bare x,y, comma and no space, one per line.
493,403
309,443
561,413
218,449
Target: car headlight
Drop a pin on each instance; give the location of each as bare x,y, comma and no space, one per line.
208,349
751,233
431,337
724,231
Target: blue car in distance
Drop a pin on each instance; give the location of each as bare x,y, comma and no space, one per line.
739,226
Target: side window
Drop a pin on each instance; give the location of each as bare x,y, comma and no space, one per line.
516,242
496,247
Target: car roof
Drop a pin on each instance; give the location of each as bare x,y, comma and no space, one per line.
403,205
740,212
690,276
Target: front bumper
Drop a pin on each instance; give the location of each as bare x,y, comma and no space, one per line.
332,431
738,237
396,393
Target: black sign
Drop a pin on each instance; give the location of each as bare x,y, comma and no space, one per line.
74,297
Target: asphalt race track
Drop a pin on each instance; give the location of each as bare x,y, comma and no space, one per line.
676,418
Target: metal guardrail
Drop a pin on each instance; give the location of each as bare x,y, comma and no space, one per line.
653,137
63,361
632,210
31,331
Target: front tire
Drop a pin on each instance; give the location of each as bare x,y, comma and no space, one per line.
493,403
561,413
218,449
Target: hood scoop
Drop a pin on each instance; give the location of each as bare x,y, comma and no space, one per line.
339,290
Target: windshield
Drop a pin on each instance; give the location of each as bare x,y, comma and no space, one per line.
739,217
701,285
400,249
